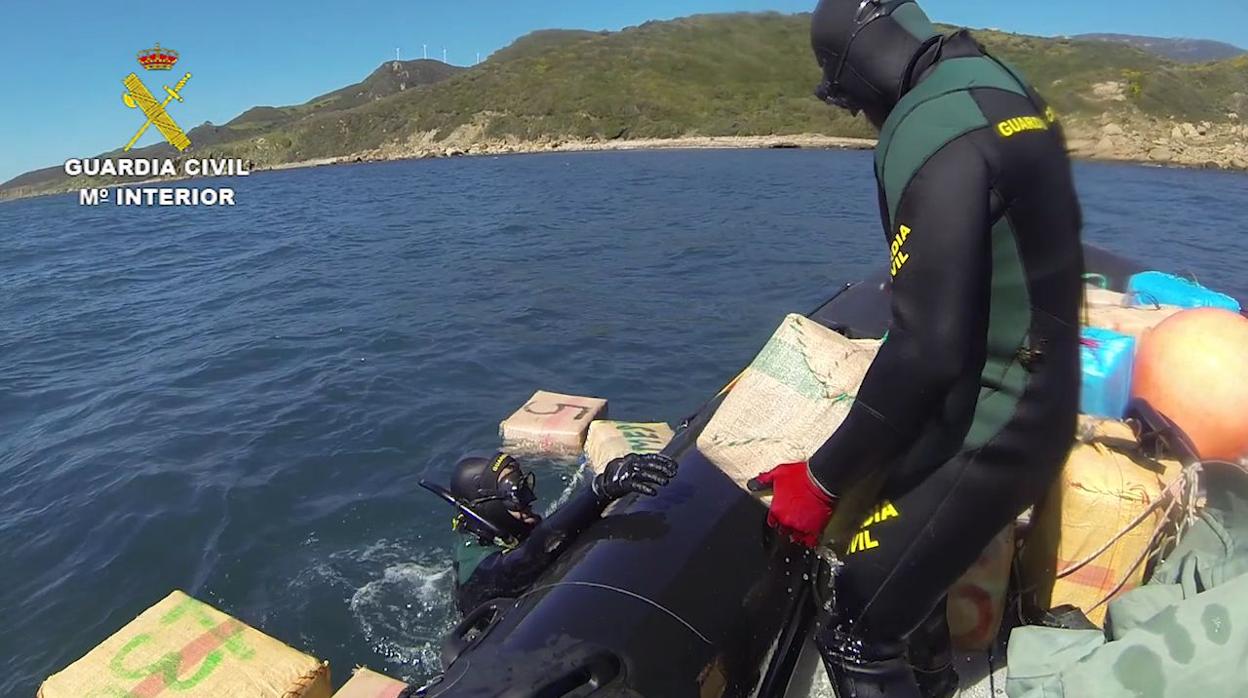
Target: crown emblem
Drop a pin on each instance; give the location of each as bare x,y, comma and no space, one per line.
157,58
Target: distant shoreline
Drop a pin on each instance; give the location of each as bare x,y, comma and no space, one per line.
799,141
1079,149
807,141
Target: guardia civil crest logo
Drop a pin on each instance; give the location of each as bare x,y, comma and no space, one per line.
137,96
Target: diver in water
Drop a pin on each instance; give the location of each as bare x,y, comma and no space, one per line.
969,409
507,545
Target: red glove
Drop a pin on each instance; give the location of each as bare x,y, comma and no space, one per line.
797,503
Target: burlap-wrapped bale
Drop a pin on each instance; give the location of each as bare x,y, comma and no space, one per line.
977,600
609,440
1101,298
551,424
788,401
1111,310
183,647
1106,485
366,683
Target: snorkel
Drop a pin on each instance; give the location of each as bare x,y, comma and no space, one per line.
465,514
493,497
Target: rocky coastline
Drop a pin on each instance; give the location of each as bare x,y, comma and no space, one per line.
1205,145
1220,146
426,147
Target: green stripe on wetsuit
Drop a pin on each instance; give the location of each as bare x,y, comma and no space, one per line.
939,110
1009,320
469,555
943,110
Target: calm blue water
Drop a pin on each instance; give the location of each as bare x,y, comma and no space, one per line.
239,402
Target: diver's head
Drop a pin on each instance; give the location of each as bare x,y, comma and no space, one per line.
867,50
499,492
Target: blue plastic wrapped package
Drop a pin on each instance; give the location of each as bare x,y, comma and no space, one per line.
1107,358
1159,288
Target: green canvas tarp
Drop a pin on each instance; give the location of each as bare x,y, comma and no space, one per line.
1183,634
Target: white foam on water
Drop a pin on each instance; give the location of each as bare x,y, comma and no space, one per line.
384,549
405,613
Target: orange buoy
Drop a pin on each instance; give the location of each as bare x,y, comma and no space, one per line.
1193,368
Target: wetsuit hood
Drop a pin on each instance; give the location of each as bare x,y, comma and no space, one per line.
490,500
871,52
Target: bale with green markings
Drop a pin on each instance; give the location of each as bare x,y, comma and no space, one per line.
183,647
788,401
609,440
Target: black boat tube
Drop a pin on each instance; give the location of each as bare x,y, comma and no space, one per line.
683,594
688,593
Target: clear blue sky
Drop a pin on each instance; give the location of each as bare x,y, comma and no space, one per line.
64,61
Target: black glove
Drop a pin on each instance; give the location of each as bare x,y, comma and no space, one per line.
641,473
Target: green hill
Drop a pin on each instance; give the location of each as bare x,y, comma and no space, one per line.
389,78
538,41
707,75
1182,50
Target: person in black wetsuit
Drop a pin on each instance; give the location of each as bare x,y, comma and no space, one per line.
507,545
969,409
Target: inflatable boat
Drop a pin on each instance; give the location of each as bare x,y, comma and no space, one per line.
689,593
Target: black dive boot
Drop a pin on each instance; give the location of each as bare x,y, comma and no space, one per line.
861,669
931,656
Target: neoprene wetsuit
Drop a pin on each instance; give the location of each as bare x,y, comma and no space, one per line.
970,407
485,571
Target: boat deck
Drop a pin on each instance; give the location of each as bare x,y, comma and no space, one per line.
980,674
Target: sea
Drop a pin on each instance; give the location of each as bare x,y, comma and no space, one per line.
238,402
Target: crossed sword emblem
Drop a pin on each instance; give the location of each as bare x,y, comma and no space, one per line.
137,95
